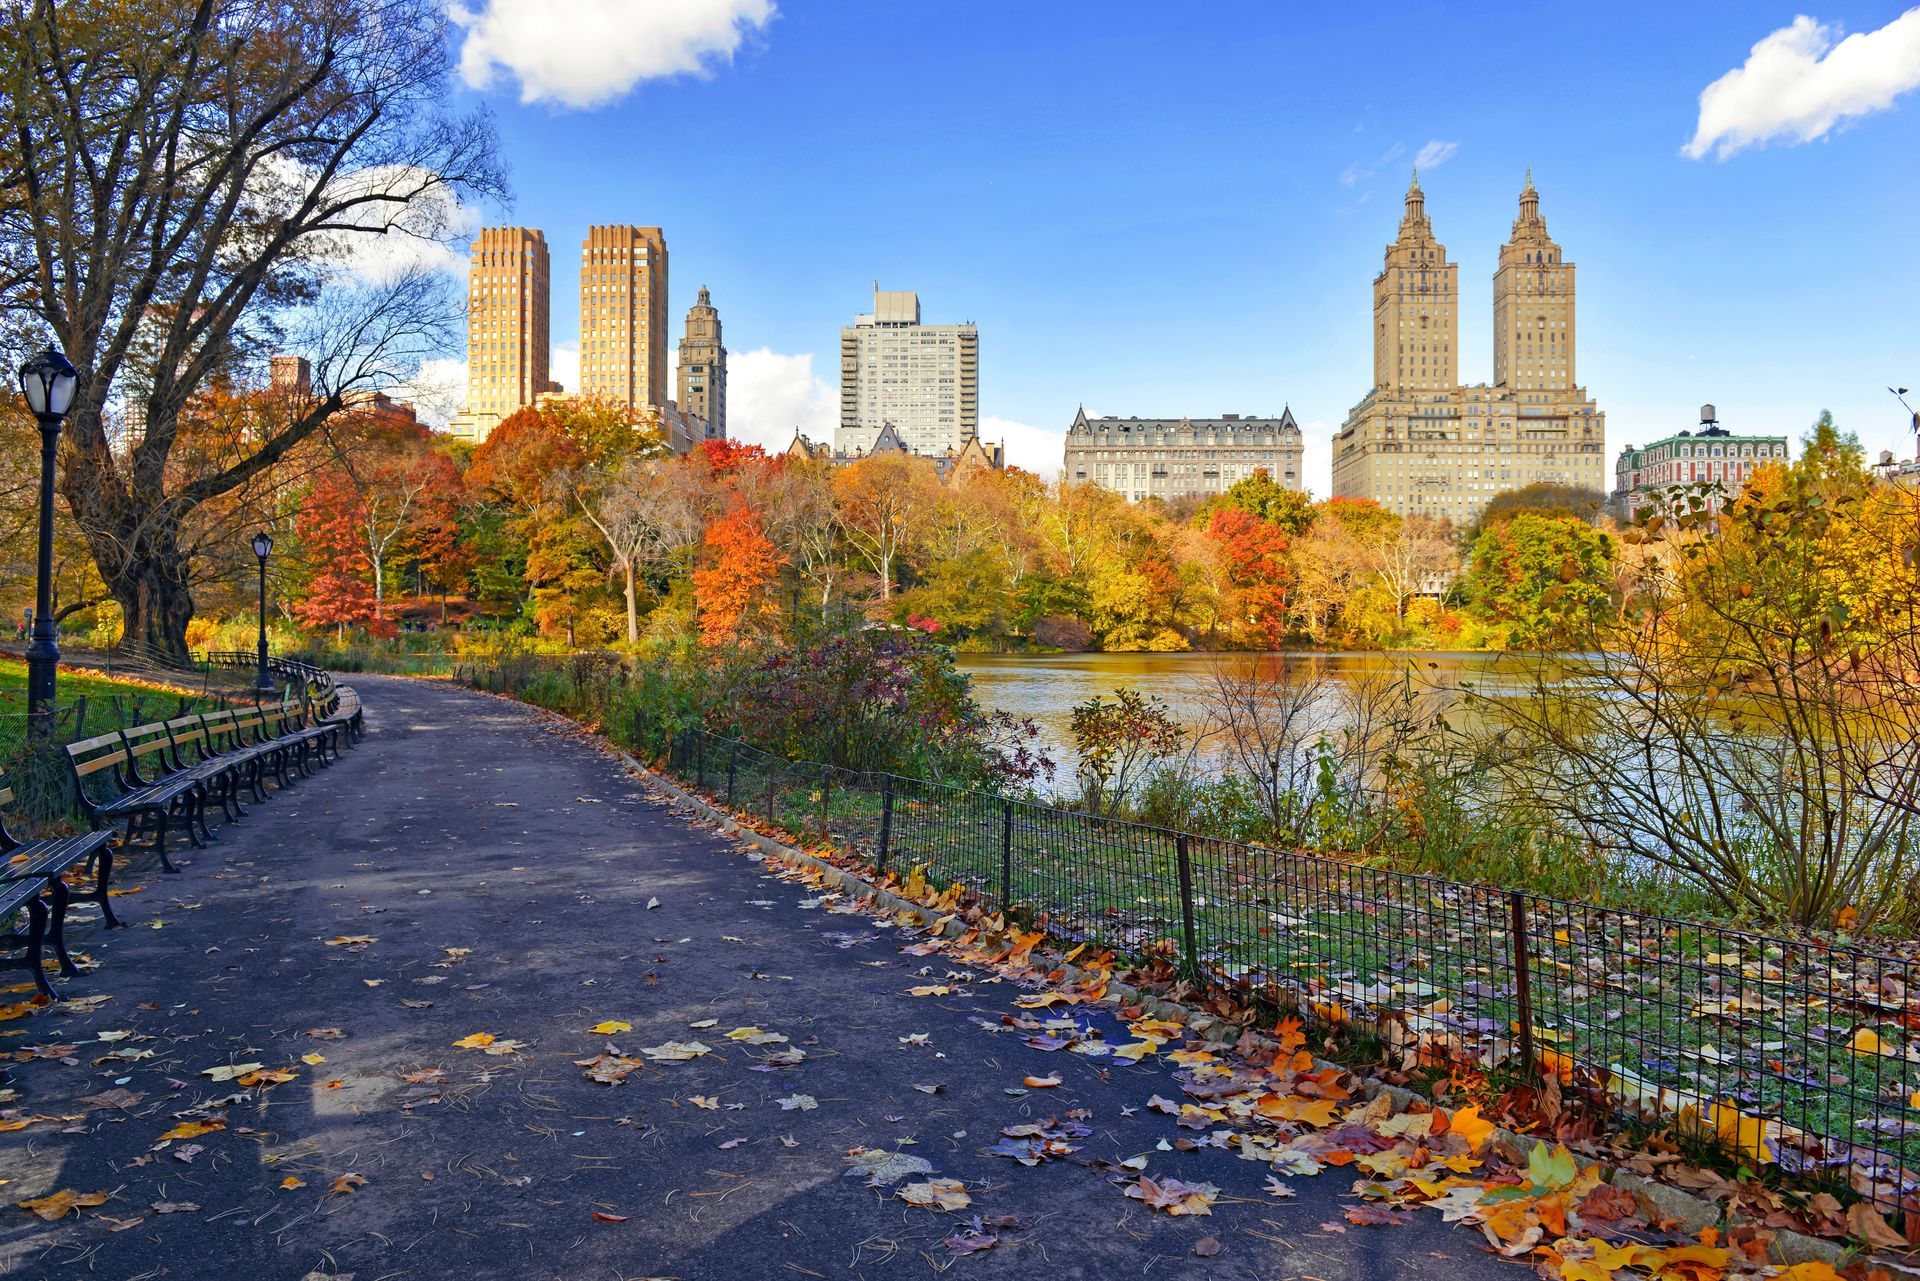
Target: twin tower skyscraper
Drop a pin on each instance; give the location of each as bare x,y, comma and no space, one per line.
623,333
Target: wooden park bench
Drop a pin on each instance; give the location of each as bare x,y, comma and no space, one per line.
113,788
29,869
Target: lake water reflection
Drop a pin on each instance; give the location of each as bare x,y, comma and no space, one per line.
1047,686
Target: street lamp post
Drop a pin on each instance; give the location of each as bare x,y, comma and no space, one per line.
262,547
48,380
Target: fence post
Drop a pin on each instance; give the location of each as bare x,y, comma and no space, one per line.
733,770
773,766
1523,987
1006,856
826,793
886,822
1190,966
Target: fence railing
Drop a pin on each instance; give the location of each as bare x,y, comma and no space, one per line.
1800,1056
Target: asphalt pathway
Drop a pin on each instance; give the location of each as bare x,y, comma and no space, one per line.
506,873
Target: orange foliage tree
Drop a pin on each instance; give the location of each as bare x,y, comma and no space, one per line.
739,561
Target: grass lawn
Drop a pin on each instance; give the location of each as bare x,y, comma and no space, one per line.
111,704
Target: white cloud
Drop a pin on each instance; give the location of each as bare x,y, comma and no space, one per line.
437,391
563,366
586,53
1798,84
770,394
1316,458
1040,450
1435,154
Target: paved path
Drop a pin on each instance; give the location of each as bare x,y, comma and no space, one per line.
504,868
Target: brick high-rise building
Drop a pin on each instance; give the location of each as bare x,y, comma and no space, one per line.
703,368
1421,442
623,315
508,291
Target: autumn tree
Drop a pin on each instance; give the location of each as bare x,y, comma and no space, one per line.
332,530
193,184
408,492
607,485
738,562
1255,551
1548,578
875,500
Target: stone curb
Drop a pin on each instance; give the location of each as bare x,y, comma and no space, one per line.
1693,1213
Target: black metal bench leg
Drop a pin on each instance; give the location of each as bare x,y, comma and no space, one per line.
257,778
57,926
197,817
230,797
102,868
162,818
36,936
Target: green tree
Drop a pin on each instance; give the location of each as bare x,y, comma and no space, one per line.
1547,578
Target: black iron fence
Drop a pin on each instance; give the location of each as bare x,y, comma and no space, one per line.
1799,1056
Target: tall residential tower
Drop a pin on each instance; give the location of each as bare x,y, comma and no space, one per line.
924,379
703,368
1421,442
623,315
507,341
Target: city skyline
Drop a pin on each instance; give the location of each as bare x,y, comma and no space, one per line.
1706,224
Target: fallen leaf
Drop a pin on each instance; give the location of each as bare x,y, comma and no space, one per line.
798,1103
936,1194
1206,1247
58,1205
289,1183
231,1071
601,1216
477,1041
346,1183
610,1027
191,1130
708,1102
313,1060
881,1166
351,940
1173,1196
675,1051
1041,1082
1866,1223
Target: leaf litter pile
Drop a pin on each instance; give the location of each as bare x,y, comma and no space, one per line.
1269,1102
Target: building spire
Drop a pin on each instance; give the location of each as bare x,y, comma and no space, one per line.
1529,203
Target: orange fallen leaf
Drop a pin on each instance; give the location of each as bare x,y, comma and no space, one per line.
1041,1082
289,1183
1471,1126
347,1183
479,1040
58,1205
601,1216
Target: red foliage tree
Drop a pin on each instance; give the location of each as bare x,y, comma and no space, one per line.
1255,552
726,457
332,529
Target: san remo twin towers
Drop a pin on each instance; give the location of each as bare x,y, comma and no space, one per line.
1421,443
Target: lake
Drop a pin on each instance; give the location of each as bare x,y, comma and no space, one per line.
1047,686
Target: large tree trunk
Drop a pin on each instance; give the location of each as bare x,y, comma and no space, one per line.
136,546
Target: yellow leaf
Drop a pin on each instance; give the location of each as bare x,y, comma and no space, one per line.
57,1205
313,1059
1745,1134
1915,1100
609,1027
289,1183
1814,1271
1866,1041
191,1130
351,940
478,1040
1135,1050
231,1070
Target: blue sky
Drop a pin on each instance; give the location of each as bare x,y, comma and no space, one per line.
1156,209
